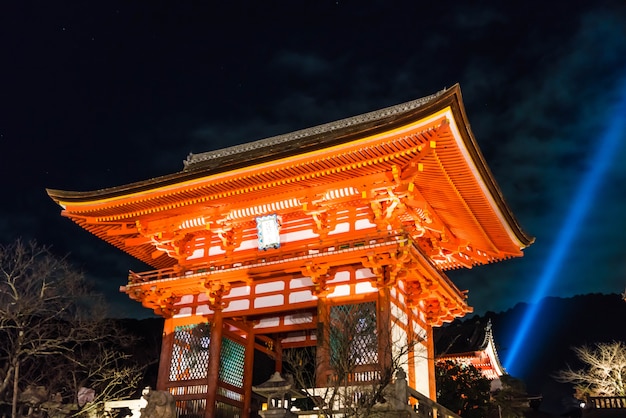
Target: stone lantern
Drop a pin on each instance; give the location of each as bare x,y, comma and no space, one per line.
278,393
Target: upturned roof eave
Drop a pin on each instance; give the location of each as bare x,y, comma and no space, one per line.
277,147
458,110
312,139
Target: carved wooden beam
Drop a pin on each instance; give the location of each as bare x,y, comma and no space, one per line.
388,267
160,300
318,272
215,292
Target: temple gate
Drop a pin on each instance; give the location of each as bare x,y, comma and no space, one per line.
260,247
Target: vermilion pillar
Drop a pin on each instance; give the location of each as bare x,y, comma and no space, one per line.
247,375
166,354
322,353
383,319
215,347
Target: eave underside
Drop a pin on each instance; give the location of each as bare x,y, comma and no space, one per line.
432,159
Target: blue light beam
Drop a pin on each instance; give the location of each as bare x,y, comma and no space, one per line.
607,147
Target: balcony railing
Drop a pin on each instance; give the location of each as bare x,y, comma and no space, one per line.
607,402
256,259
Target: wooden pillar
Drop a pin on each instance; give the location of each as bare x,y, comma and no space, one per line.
165,358
248,369
383,319
322,352
215,348
278,362
430,347
413,341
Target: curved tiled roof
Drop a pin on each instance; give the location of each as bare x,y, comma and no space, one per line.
456,180
302,139
463,339
276,147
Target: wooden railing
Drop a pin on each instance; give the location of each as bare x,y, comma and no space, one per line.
426,407
606,402
259,259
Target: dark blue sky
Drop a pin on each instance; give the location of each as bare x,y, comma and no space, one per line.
102,93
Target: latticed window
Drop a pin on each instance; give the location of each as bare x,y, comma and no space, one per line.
190,353
232,359
353,336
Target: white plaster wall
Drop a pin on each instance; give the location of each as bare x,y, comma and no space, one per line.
420,355
400,347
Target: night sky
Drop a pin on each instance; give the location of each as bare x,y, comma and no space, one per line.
102,93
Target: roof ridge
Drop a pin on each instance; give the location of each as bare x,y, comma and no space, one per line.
193,159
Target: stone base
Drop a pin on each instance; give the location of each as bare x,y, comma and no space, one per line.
277,413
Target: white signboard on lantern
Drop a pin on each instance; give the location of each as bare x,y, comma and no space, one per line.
268,231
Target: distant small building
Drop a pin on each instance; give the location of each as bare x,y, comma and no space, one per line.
469,342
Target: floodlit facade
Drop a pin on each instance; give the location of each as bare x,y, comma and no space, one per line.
257,247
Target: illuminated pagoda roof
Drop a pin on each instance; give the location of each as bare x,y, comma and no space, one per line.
428,139
470,342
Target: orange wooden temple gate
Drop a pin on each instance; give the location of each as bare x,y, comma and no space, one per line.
254,245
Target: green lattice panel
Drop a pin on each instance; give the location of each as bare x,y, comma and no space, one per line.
190,352
353,334
232,359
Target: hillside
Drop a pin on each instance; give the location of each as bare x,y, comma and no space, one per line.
562,323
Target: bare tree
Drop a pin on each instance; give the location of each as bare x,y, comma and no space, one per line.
48,318
604,373
359,368
102,369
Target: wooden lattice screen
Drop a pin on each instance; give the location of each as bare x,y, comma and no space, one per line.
188,372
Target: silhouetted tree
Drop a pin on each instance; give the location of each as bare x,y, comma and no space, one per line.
53,331
462,389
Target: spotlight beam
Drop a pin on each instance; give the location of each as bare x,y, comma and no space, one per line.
607,146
